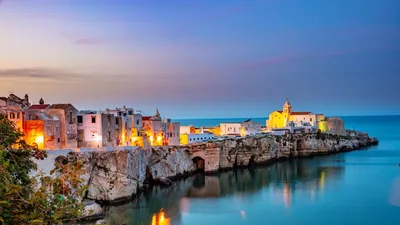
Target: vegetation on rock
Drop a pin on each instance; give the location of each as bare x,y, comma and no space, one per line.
38,199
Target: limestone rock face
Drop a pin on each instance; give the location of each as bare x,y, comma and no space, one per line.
116,175
109,178
171,163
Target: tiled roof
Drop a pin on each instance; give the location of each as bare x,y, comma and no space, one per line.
146,117
60,106
3,98
44,106
300,113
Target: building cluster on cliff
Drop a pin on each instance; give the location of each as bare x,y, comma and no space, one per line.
62,126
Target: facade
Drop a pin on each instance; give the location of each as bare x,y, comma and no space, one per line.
43,131
187,129
158,131
13,100
281,119
230,129
194,138
15,114
250,128
67,115
244,128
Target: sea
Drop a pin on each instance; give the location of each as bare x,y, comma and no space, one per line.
359,187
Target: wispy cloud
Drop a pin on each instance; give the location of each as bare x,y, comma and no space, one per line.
38,73
88,41
83,40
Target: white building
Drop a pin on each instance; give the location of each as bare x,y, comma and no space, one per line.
90,129
187,129
195,138
250,128
244,128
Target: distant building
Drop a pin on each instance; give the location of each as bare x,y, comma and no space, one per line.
67,114
160,131
15,114
187,129
244,128
194,138
13,100
96,129
43,131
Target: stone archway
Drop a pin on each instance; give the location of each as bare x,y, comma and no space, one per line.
199,162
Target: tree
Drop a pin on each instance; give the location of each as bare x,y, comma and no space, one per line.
38,199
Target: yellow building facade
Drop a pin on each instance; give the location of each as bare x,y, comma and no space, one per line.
280,119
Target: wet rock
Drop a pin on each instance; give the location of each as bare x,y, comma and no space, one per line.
93,211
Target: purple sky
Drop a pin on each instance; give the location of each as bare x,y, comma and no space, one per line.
202,59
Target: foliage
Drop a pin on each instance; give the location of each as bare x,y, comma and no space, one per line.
39,199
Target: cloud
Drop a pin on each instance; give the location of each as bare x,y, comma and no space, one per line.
82,40
88,41
38,73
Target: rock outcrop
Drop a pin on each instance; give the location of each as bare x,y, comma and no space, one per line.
116,175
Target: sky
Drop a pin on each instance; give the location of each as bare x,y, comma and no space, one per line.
205,58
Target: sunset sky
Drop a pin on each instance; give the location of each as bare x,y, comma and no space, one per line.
205,58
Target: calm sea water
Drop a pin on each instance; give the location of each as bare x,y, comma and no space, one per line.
361,187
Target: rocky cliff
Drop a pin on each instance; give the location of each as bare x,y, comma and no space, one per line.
116,175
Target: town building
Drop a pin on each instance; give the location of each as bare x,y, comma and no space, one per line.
13,100
97,129
15,114
43,131
245,128
303,121
196,137
67,114
160,131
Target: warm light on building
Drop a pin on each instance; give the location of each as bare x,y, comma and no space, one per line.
159,139
39,140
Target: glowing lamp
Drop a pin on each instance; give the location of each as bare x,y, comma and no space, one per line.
159,138
151,138
39,139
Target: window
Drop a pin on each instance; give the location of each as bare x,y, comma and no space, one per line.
109,135
310,119
56,129
137,122
70,117
17,115
109,120
93,119
117,121
80,119
190,139
12,116
58,140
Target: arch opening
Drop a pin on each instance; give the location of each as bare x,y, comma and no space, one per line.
199,162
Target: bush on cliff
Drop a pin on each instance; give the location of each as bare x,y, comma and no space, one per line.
39,199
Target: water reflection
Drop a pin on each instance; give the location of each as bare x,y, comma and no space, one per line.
161,206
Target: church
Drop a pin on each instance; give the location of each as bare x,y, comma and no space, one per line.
281,119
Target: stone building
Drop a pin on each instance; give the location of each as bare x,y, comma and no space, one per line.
13,100
245,128
96,129
67,115
15,114
43,131
160,131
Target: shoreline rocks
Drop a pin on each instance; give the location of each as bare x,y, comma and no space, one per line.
115,176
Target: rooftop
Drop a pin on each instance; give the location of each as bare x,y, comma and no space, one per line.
60,106
44,106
